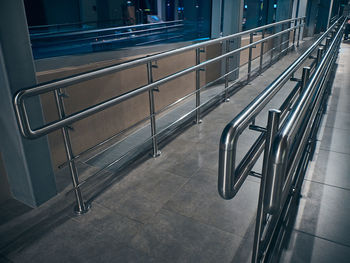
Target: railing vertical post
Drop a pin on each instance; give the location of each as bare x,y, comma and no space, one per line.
273,40
271,130
299,31
227,62
319,55
294,31
262,51
305,77
280,49
156,152
328,42
81,207
250,55
198,87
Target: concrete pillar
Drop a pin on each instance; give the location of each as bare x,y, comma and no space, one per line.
311,17
302,12
226,20
216,18
161,9
284,11
232,16
27,162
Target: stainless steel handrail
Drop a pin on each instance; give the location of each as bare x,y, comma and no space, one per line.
91,31
28,132
97,40
284,165
288,131
64,119
231,177
72,24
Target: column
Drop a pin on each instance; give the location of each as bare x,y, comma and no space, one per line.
27,162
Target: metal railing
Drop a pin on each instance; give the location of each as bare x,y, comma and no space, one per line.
105,32
285,153
46,44
66,27
67,119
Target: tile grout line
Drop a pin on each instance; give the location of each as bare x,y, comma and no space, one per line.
331,150
329,185
333,127
156,212
203,223
323,238
328,150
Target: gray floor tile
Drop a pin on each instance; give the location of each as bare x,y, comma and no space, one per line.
306,248
338,119
200,200
26,227
176,238
323,212
108,222
331,168
335,140
140,195
73,242
339,100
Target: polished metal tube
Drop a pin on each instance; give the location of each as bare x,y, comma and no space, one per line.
299,31
320,79
294,31
229,181
198,87
81,207
135,32
21,95
108,70
271,130
280,46
262,51
227,61
156,152
272,46
251,37
91,31
280,150
305,77
328,42
319,55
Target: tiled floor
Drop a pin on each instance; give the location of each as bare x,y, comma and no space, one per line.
168,210
322,229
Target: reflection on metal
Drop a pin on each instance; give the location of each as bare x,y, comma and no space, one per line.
80,41
65,120
290,142
230,178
